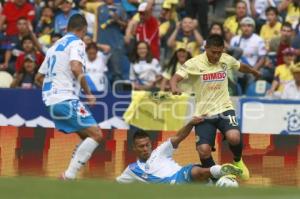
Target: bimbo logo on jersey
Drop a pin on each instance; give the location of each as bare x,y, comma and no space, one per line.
218,76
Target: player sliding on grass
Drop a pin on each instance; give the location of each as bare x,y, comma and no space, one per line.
212,99
158,166
63,70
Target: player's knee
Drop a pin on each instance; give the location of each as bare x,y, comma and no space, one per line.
204,151
97,135
233,137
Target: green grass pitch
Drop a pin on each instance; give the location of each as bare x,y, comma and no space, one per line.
47,188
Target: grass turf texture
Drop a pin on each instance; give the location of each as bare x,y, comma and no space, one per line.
44,188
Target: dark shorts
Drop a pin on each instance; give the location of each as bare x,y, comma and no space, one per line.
206,131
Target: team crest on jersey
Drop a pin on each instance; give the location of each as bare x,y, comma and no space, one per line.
82,111
218,76
224,66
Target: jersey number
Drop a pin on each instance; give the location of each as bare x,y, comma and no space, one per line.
51,62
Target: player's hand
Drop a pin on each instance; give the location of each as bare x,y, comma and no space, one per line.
196,120
176,91
91,99
256,74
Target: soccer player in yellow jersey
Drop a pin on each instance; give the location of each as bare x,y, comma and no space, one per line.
212,99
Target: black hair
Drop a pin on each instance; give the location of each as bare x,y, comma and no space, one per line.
287,24
271,8
22,18
54,34
174,60
25,38
92,45
77,22
134,58
139,134
221,27
215,40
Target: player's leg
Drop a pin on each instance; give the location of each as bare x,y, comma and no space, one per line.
228,125
72,116
205,141
200,174
92,137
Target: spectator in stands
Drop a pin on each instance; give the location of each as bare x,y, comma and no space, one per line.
198,9
292,89
258,11
292,8
111,22
216,28
61,20
232,23
26,77
283,74
166,28
180,56
12,11
96,67
272,27
28,49
147,29
144,70
186,36
45,20
253,49
278,44
13,46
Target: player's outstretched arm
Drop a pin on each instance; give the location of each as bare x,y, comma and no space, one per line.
185,131
174,81
76,68
247,69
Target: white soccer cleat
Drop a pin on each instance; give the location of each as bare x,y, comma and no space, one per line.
63,177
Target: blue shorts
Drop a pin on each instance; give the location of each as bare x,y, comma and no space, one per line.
71,116
183,176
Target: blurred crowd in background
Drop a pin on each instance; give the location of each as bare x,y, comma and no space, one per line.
140,44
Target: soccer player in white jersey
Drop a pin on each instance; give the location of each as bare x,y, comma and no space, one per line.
158,166
63,70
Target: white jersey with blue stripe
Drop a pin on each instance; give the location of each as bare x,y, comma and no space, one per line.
60,84
159,168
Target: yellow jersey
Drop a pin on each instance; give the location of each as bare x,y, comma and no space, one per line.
232,24
211,86
267,32
284,75
293,14
185,84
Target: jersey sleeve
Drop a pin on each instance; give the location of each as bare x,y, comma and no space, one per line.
126,177
77,51
132,75
233,63
262,48
157,67
166,149
44,67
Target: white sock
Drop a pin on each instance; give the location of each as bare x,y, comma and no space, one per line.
81,156
216,171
